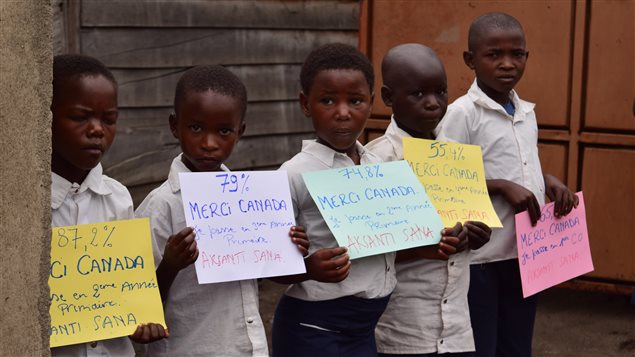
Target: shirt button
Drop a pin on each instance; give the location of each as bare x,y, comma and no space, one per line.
445,301
93,344
250,320
525,163
452,264
441,342
387,267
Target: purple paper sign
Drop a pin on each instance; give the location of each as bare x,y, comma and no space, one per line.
555,250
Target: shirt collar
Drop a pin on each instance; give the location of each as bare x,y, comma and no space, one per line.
395,135
479,97
61,187
325,154
177,167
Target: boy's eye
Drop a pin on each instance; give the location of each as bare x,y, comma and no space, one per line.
356,101
196,128
110,119
327,101
443,91
418,94
520,54
225,131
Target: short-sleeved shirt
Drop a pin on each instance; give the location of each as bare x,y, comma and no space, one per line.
98,199
428,311
369,277
510,152
220,319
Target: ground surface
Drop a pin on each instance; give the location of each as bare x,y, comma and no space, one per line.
569,323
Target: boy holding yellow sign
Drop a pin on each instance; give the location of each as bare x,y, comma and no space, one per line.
492,116
428,311
85,113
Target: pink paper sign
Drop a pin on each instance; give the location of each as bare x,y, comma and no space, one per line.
555,250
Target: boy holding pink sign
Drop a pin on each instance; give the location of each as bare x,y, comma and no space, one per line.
205,319
337,319
493,116
428,313
84,109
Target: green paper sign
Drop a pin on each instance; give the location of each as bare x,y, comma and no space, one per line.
374,209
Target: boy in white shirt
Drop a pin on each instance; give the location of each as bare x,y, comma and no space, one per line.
427,314
220,319
493,116
85,113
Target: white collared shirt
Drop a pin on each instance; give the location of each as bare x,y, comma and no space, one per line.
369,277
98,199
510,152
428,311
220,319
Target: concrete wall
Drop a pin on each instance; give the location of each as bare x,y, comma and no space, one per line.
25,151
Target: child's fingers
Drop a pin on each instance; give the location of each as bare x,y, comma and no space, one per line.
332,252
298,229
180,235
534,210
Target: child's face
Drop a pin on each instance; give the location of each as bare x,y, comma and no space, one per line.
84,124
499,61
207,125
419,99
339,102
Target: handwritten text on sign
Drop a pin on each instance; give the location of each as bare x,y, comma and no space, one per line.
374,209
102,281
454,179
553,251
242,222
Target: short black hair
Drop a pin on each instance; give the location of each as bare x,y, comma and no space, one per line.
211,78
335,56
69,66
498,20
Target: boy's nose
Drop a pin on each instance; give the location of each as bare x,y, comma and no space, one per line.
95,128
343,112
431,103
209,142
507,62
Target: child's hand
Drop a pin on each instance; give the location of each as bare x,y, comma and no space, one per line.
520,198
564,200
299,238
146,333
478,233
181,249
453,240
328,265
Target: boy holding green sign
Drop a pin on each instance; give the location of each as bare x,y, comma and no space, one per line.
428,312
85,114
337,319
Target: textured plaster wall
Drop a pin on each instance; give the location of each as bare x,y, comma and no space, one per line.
25,95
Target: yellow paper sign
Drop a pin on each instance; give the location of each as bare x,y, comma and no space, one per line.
454,179
102,280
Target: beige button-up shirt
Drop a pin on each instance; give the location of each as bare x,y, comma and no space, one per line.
510,152
428,311
98,199
220,319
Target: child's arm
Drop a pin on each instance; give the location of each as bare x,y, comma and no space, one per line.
180,251
478,234
147,333
564,200
520,198
453,240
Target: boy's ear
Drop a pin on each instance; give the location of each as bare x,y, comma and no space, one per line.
526,55
173,124
304,104
386,95
468,58
241,131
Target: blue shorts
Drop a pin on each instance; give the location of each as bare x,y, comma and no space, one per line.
502,320
343,327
